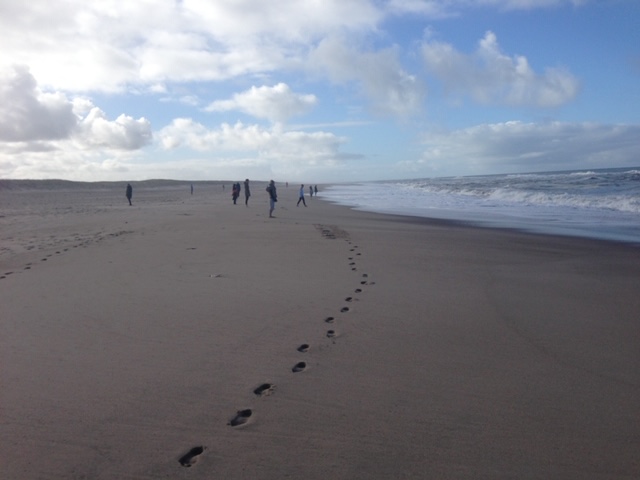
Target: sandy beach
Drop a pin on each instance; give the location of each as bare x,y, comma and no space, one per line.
187,337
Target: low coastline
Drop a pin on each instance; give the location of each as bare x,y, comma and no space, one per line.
132,336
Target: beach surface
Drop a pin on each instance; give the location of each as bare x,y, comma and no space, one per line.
187,337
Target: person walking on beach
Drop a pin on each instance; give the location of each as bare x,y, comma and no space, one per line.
273,197
301,199
316,190
247,192
310,191
129,193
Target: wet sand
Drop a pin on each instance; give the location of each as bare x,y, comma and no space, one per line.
188,337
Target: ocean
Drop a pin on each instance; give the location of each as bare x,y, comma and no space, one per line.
602,204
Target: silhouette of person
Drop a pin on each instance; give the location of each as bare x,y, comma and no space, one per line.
316,190
273,197
235,192
129,193
310,191
247,192
301,199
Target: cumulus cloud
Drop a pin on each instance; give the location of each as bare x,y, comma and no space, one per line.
41,120
28,114
111,46
490,77
523,147
275,143
379,74
277,103
125,133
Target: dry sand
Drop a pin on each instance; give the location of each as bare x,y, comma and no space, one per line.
131,337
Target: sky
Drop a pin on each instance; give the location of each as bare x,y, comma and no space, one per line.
316,91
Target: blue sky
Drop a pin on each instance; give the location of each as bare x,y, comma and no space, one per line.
316,91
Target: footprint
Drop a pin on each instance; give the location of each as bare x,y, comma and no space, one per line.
358,290
303,348
365,275
331,333
242,417
348,299
299,367
264,389
329,319
344,309
191,457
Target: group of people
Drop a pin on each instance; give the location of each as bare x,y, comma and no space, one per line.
273,195
312,189
236,189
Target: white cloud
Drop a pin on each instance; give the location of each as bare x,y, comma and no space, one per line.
490,77
33,118
276,145
379,74
277,103
523,147
125,133
29,114
112,45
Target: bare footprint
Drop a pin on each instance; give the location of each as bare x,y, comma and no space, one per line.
331,333
191,457
329,319
303,348
299,367
265,389
344,309
242,417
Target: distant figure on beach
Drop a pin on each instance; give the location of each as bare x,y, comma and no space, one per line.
192,189
235,192
301,199
247,192
273,197
129,193
316,190
310,191
287,184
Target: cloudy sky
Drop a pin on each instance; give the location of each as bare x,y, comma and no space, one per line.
316,90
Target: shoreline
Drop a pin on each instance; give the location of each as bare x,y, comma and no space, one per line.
138,334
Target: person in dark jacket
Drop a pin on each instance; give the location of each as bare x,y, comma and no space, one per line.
247,192
129,193
273,197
